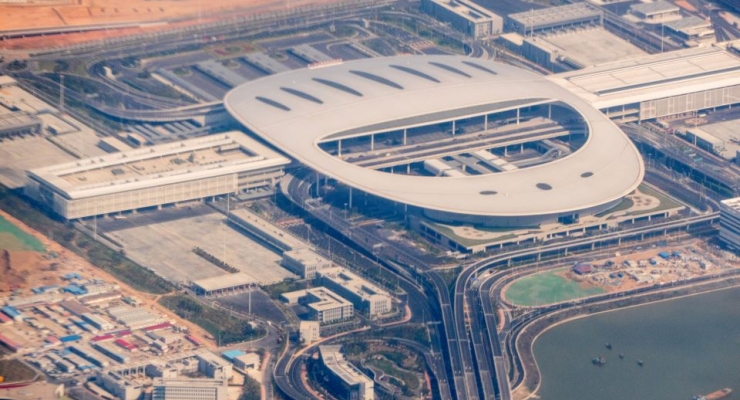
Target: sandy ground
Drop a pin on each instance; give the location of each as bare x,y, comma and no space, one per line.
88,12
38,273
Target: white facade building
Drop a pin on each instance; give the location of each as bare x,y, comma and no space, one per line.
729,223
154,176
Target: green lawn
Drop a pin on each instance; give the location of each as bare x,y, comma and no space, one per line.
666,202
13,238
625,204
546,288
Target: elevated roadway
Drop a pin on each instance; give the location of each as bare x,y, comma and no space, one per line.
466,143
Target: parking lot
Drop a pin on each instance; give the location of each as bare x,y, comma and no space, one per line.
170,241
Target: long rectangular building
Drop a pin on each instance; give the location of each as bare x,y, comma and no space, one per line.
659,85
154,176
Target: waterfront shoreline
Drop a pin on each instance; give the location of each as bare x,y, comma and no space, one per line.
524,343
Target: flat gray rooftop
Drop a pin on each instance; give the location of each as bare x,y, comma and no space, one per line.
594,46
556,15
687,23
657,7
653,76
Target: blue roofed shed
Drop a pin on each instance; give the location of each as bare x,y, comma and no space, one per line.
232,354
75,290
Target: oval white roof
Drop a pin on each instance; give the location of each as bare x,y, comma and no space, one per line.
296,109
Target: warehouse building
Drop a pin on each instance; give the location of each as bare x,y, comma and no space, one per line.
345,380
551,19
365,295
167,174
659,85
469,18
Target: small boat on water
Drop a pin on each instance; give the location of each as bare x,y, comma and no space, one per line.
621,356
716,395
640,363
599,361
608,346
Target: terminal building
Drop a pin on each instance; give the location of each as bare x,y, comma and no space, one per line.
358,123
365,295
729,223
657,86
162,175
344,379
473,20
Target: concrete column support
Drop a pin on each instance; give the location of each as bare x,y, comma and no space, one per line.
404,136
485,122
339,148
372,142
518,115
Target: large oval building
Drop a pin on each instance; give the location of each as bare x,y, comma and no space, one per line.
366,123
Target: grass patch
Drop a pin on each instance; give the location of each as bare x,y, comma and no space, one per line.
404,379
625,204
666,202
98,254
447,231
251,389
13,238
226,329
547,288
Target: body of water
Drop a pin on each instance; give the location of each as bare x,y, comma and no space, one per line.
689,346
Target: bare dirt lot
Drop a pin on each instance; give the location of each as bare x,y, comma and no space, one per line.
42,270
90,12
